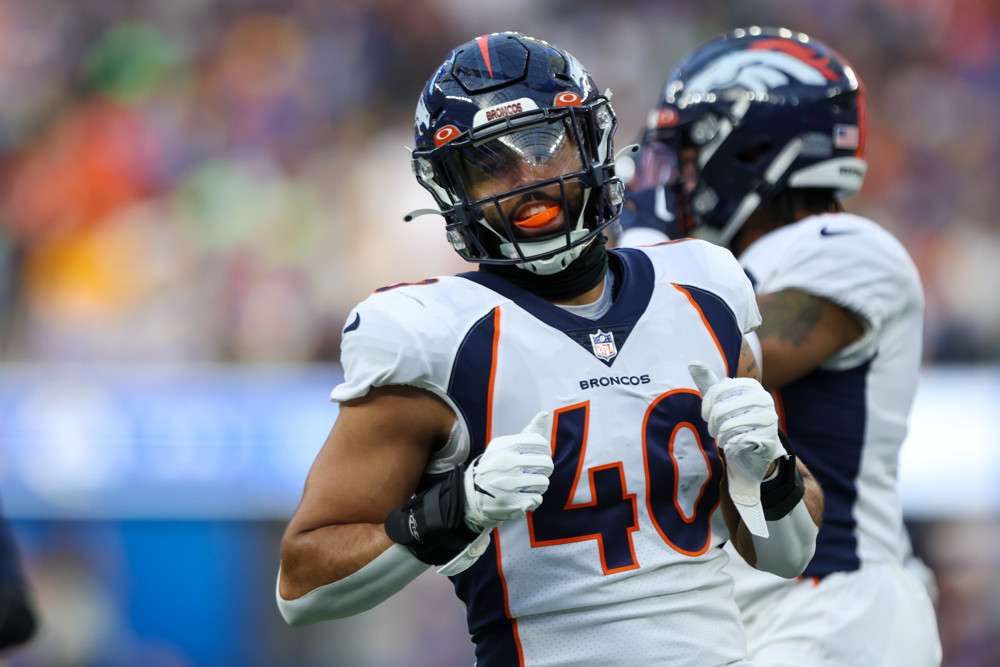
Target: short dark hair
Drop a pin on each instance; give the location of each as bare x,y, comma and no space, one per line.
813,200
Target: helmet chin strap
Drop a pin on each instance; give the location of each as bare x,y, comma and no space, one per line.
548,265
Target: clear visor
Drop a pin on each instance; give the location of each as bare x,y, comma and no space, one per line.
656,164
521,158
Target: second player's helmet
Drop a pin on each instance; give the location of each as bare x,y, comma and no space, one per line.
766,109
514,142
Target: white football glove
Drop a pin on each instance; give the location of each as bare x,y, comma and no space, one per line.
504,482
741,417
508,479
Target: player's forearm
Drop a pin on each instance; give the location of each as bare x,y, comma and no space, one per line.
792,529
813,497
314,558
343,571
791,539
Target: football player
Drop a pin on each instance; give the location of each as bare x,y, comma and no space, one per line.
758,136
570,433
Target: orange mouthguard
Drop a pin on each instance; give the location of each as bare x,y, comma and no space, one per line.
539,219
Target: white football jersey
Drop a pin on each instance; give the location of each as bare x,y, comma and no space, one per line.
847,420
622,563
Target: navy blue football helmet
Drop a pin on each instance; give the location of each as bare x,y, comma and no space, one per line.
514,142
765,109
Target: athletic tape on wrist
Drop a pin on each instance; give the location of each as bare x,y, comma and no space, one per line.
432,523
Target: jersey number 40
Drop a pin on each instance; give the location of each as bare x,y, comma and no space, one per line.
611,515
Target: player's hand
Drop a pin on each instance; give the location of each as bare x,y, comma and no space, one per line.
741,417
508,479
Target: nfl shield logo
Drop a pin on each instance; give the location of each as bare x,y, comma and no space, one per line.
603,344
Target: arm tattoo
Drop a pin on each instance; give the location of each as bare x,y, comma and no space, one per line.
791,316
748,362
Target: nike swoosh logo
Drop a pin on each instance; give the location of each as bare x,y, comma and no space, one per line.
660,206
355,324
826,231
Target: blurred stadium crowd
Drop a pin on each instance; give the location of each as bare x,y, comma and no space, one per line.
202,180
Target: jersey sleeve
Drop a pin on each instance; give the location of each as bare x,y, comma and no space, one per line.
632,237
377,350
727,278
716,284
860,268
